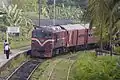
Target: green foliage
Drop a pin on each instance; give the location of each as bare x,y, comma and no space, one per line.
3,28
15,17
105,14
44,8
2,36
66,12
65,9
117,50
90,67
30,5
75,3
27,5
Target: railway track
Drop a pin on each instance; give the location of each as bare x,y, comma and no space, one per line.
70,57
25,70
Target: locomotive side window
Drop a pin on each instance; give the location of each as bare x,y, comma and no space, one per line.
38,34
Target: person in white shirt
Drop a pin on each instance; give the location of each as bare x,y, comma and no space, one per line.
7,50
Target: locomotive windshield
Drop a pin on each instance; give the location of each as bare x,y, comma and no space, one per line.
41,34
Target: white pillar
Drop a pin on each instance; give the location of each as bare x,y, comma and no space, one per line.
54,12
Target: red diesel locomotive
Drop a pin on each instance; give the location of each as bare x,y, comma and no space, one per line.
48,41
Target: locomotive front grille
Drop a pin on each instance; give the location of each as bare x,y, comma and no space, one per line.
41,50
38,50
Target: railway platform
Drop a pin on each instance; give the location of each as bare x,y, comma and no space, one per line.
14,52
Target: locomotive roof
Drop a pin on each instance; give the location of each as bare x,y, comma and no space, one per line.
52,29
59,28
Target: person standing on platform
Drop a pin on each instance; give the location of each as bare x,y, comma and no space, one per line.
7,50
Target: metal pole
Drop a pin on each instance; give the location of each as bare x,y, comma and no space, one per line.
110,36
39,3
54,12
7,35
101,45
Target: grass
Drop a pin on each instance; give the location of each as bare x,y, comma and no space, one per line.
48,70
60,71
1,46
13,64
40,70
57,67
16,44
19,44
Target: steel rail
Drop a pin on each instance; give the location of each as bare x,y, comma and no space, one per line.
53,69
66,57
69,69
15,71
27,73
33,72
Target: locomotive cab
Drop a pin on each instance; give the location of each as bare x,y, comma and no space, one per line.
42,41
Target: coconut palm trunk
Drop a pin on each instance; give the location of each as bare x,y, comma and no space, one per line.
110,37
106,14
101,44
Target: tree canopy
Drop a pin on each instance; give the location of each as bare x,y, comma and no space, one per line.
105,17
14,17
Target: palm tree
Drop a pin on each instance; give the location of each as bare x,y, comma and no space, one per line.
105,16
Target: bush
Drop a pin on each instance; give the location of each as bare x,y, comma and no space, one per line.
117,50
90,67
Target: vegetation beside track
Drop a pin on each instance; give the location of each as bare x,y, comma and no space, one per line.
61,70
54,69
16,44
87,66
40,70
117,50
90,67
12,65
